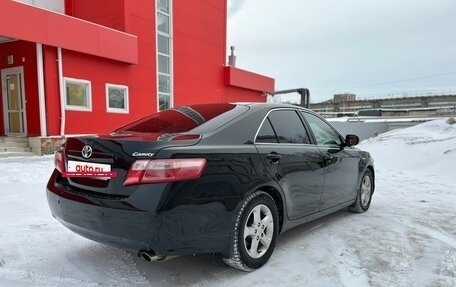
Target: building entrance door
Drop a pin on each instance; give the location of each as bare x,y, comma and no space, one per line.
14,101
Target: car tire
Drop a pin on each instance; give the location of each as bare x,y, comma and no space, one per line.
255,232
365,191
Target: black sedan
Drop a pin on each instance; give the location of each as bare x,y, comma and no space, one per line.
213,178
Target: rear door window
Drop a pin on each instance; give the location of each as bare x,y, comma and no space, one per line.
266,133
288,127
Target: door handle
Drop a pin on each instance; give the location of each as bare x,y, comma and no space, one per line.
328,157
274,157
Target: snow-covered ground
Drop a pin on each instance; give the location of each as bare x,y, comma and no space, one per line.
407,238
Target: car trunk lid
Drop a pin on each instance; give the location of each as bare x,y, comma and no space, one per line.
115,153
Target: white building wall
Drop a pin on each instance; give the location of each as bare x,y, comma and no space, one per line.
51,5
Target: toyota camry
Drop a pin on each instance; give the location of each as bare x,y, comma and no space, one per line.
211,178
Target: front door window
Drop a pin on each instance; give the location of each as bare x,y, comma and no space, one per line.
324,134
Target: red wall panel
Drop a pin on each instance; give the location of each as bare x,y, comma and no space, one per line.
66,32
109,13
248,80
235,94
199,51
199,54
140,21
24,55
100,72
199,35
140,78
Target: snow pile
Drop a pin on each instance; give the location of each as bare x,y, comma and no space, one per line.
407,238
428,149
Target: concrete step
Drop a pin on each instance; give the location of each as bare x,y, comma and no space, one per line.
15,149
14,140
14,154
13,144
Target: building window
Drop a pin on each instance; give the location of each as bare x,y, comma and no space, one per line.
117,98
78,95
164,54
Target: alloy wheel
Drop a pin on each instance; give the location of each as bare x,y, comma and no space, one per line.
258,231
366,190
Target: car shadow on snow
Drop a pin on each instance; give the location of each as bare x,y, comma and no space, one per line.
208,270
95,262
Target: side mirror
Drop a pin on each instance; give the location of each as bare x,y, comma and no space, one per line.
351,140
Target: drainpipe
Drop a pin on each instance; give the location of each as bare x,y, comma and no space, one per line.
62,92
41,92
303,92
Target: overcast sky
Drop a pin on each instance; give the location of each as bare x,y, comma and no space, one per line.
357,46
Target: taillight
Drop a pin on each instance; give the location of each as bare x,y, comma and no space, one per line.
165,170
59,161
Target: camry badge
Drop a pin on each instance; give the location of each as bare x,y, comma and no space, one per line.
86,151
143,154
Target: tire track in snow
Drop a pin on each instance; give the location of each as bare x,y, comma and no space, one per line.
350,268
217,278
14,277
450,241
118,266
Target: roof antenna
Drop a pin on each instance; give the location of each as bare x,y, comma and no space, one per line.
232,58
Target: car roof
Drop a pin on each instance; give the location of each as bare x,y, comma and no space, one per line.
259,106
262,104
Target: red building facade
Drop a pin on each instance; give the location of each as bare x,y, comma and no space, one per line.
91,66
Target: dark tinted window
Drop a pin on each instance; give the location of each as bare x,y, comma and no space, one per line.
288,127
323,133
266,133
186,118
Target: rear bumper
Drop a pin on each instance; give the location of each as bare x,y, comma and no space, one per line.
182,229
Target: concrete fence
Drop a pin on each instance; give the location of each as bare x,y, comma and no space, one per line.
367,128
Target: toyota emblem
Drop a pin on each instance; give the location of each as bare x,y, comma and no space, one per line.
86,151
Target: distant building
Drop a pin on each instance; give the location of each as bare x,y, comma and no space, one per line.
435,104
89,66
340,98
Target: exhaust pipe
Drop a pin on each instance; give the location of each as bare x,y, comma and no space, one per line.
150,256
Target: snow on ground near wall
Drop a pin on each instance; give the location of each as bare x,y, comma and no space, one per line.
407,238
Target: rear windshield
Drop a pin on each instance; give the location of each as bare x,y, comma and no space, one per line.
196,119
